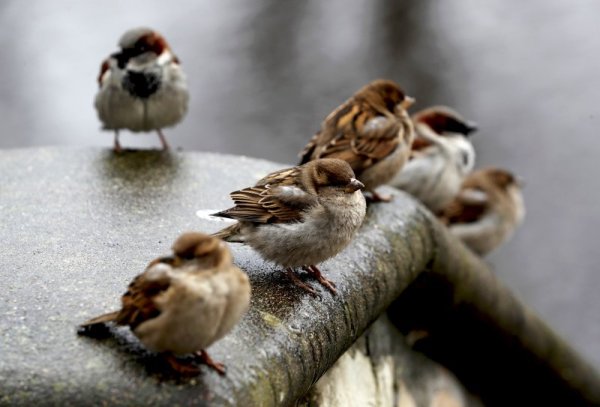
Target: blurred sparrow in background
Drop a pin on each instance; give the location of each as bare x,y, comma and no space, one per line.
487,210
441,157
299,217
183,303
371,131
142,87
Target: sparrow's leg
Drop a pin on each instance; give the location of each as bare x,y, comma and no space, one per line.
300,283
163,140
375,197
330,285
117,147
207,360
179,366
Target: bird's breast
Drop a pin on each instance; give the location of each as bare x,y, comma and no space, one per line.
141,84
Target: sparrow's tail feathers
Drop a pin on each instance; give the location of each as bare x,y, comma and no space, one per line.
230,234
96,327
109,317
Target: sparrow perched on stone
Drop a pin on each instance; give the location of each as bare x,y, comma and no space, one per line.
299,217
487,210
441,157
371,131
142,87
183,303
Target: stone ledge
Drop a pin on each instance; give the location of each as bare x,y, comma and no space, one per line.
80,223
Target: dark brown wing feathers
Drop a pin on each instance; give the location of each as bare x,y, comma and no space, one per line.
265,202
103,68
138,302
261,205
345,133
462,212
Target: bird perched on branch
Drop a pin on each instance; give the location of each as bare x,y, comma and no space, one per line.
142,87
371,131
487,210
183,303
441,157
299,217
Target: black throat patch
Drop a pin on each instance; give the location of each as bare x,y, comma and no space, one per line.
141,84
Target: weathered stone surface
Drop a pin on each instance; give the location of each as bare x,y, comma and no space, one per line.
78,224
380,369
465,319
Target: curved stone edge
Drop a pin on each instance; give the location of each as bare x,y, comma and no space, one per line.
497,347
442,288
400,246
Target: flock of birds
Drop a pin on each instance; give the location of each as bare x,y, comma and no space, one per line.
296,217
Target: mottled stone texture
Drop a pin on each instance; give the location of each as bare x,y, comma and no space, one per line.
380,369
78,224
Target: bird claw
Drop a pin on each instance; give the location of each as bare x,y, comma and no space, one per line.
180,367
208,361
328,284
300,283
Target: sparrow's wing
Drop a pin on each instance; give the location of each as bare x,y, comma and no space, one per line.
103,68
138,302
418,146
356,133
331,129
269,204
469,206
287,176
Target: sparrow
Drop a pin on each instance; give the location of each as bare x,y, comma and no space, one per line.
299,216
371,131
487,210
142,86
183,303
441,157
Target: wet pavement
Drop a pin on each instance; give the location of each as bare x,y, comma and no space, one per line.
264,74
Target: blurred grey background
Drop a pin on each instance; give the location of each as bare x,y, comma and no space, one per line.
264,73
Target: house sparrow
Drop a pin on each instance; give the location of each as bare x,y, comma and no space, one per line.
142,87
371,131
299,217
487,209
183,303
440,159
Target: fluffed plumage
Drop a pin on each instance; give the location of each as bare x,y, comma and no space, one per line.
142,87
300,216
441,157
371,131
487,210
183,303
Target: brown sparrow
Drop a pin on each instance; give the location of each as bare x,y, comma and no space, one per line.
441,157
299,217
142,87
487,210
371,131
183,303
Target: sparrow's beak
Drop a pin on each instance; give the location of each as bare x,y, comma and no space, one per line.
354,185
520,181
470,127
407,102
